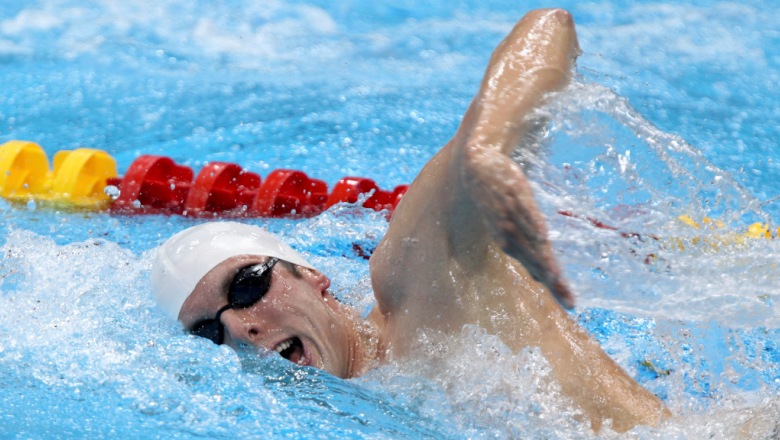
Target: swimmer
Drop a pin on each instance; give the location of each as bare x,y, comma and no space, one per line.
466,243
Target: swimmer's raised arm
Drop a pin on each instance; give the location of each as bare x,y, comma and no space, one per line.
534,60
472,196
468,245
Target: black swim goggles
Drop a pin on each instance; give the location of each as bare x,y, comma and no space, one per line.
247,288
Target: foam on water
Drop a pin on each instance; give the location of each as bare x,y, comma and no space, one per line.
81,331
604,162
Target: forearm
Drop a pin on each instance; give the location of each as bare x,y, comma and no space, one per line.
536,58
595,383
501,126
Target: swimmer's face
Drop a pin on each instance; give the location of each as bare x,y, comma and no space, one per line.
297,317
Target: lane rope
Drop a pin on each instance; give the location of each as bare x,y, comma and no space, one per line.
87,178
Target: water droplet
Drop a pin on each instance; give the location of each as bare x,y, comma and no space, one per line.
112,191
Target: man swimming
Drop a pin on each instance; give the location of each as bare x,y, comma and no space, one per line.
466,244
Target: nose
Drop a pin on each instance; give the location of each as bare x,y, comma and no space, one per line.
241,330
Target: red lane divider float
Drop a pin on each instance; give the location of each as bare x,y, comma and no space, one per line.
219,187
289,192
152,184
158,185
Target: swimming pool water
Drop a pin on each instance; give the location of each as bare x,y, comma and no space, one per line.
675,111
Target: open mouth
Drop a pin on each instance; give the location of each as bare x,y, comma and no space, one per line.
292,350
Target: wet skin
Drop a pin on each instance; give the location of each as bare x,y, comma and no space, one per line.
298,317
466,244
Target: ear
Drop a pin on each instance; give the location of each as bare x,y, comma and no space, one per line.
315,278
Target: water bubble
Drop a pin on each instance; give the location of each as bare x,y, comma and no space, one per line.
112,191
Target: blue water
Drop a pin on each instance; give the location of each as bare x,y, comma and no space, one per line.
675,111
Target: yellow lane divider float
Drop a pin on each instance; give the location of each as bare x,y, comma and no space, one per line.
755,231
78,179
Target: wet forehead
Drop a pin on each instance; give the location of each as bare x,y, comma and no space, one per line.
210,292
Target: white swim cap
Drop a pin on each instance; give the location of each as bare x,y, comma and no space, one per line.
187,256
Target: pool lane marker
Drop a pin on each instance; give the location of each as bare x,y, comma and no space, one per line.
78,178
87,179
